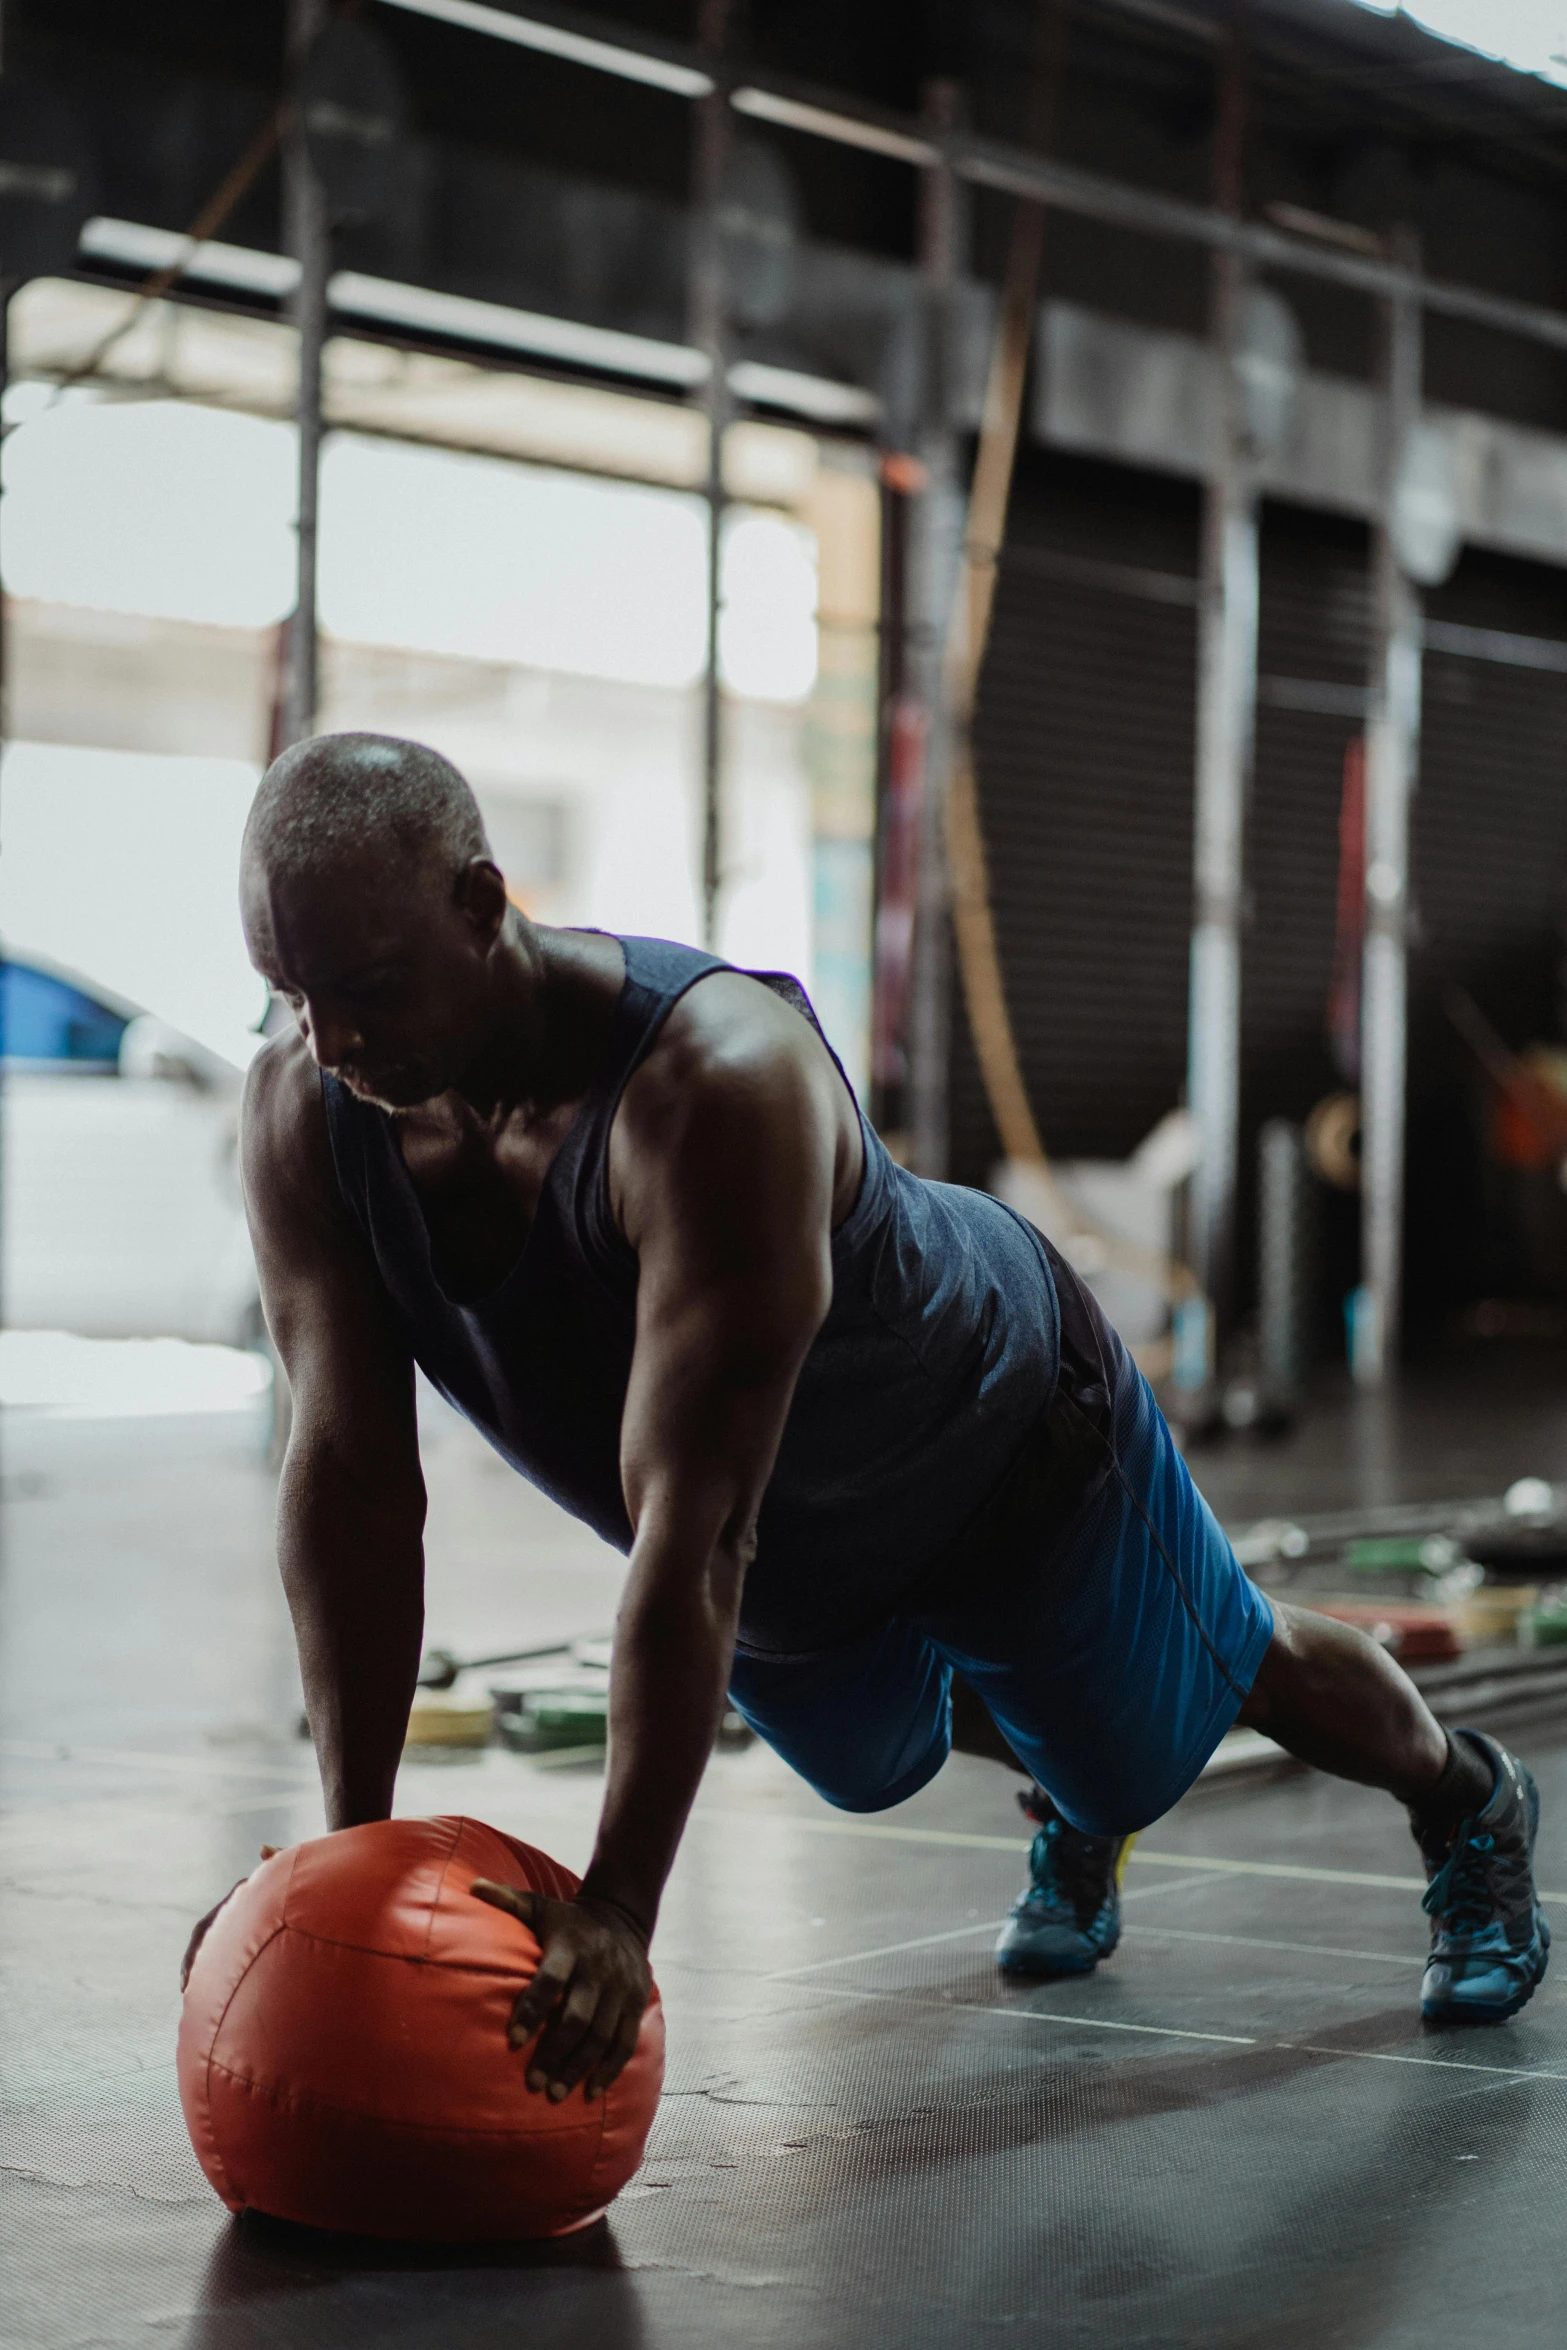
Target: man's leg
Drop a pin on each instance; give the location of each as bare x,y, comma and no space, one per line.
1331,1696
1114,1674
1068,1916
1326,1693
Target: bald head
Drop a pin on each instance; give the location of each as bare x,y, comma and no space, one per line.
373,907
361,800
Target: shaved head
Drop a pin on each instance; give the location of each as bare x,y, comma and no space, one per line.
374,909
354,798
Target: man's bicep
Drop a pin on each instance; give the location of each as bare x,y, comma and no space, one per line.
735,1280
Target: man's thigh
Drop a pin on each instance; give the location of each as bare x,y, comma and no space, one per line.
1115,1659
866,1724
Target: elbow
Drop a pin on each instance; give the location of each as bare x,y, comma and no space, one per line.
667,1617
320,1474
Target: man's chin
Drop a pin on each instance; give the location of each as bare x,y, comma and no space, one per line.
389,1089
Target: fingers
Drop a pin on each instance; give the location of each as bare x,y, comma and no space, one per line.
618,2055
514,1898
270,1851
532,2005
574,2038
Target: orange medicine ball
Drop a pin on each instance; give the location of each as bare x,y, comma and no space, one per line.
343,2057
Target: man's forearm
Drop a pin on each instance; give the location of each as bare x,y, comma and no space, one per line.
353,1569
674,1644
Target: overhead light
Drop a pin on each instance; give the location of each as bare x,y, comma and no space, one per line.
816,396
847,130
552,40
132,244
469,321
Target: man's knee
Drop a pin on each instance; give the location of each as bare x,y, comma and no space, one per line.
1307,1656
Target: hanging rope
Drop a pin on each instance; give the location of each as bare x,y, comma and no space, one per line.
973,917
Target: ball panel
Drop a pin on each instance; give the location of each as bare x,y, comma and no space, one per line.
363,2176
466,1932
374,1887
250,1919
393,2040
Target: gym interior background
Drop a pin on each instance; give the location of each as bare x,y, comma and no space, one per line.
1048,520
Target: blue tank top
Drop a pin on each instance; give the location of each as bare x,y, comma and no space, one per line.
939,1351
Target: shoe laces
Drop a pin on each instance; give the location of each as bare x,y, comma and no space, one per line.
1460,1893
1068,1866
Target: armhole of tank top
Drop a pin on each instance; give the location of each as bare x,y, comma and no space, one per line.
788,990
606,1242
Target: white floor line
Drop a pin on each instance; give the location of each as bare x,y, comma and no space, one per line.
887,1950
1289,1868
1087,2023
1036,2015
990,1926
1140,1855
1298,1949
1445,2064
1170,1885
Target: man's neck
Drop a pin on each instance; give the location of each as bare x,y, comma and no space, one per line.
545,1035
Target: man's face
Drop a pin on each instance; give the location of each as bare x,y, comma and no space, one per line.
384,969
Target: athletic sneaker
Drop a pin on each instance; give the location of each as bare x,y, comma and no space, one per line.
1068,1916
1489,1936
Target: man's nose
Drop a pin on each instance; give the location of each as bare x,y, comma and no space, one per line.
332,1038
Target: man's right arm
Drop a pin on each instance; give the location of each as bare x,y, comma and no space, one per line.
351,1499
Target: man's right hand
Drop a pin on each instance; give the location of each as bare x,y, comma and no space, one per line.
199,1930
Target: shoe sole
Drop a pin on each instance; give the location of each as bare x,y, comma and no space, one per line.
1051,1974
1062,1971
1497,2012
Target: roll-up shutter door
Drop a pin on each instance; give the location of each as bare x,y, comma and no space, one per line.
1489,858
1083,748
1490,820
1084,751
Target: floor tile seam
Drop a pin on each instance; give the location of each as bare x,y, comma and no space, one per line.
66,1750
123,1904
1178,2032
1219,1864
1040,2015
1170,1933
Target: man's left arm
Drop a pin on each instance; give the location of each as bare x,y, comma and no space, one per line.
728,1203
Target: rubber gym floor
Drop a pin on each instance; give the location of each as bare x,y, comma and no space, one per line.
1236,2133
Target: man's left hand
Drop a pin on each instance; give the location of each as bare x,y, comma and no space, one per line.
589,1993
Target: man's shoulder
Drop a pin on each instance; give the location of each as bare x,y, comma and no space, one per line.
730,1040
284,1117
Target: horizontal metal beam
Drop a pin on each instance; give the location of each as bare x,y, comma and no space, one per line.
603,49
991,163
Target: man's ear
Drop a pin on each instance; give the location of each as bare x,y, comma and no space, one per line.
481,898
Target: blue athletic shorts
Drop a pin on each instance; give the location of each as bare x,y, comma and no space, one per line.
1113,1645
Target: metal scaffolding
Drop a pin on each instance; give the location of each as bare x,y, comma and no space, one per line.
1226,730
1392,768
934,551
709,332
308,239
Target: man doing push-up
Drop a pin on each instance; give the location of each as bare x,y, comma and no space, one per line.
856,1432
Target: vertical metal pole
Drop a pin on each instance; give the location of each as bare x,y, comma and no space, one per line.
1226,727
709,333
934,551
307,237
1392,767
